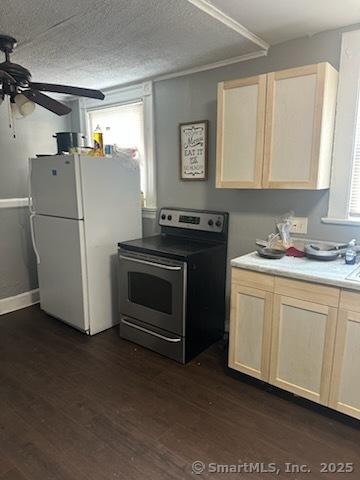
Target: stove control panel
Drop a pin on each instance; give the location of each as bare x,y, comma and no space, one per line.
192,219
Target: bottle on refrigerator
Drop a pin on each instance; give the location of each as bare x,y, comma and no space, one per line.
107,142
98,141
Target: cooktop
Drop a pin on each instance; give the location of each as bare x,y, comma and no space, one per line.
184,232
167,245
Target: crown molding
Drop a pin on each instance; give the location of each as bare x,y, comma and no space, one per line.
211,66
214,12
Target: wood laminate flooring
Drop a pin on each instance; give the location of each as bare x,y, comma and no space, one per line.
74,408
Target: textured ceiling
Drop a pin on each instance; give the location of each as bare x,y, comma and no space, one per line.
111,42
280,20
101,43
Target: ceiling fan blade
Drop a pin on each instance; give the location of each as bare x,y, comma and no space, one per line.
47,102
67,89
7,76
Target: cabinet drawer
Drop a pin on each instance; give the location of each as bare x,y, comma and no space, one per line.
350,301
311,292
252,279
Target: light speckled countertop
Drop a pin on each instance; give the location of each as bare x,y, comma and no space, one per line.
335,272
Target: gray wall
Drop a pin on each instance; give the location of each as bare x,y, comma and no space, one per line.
33,135
252,212
179,100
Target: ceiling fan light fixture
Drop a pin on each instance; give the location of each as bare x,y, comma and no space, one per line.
15,111
25,106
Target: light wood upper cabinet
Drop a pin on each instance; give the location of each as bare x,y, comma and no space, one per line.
302,347
240,132
276,130
250,331
300,112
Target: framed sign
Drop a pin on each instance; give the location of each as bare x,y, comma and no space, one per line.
194,150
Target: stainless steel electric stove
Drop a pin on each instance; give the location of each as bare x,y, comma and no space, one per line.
172,285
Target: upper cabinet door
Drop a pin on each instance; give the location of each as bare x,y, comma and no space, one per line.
300,114
240,132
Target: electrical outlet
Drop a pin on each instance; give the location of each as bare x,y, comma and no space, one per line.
299,225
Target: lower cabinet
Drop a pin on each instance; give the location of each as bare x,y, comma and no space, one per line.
302,347
250,331
345,382
299,336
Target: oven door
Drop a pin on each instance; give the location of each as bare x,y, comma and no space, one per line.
153,290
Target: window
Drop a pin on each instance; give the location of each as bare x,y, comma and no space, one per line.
123,125
344,203
354,210
129,113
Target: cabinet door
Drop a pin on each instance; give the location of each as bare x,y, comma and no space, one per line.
345,384
250,331
299,127
302,347
240,132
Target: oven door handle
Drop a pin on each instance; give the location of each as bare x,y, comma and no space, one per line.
155,334
153,264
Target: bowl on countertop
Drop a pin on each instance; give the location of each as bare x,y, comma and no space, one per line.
270,253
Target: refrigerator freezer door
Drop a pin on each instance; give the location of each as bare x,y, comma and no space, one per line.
62,269
55,186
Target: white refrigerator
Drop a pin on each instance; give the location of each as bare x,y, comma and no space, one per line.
81,207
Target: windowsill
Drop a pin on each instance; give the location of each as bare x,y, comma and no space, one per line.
149,212
341,221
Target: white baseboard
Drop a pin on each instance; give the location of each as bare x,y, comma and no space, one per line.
23,300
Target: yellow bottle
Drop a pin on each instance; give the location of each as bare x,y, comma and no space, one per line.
98,141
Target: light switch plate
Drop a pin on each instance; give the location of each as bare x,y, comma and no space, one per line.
299,225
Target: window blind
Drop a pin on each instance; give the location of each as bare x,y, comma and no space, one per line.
354,208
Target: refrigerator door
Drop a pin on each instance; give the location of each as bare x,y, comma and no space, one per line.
55,186
62,269
111,200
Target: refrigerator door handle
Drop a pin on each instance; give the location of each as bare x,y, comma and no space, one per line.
33,239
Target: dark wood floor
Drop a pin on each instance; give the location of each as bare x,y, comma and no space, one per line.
74,407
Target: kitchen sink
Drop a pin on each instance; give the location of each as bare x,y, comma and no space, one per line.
355,274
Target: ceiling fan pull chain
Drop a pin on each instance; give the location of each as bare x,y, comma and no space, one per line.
13,127
11,118
9,111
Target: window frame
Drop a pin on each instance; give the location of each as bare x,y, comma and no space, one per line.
345,128
125,95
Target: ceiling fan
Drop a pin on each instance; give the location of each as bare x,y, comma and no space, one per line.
15,81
